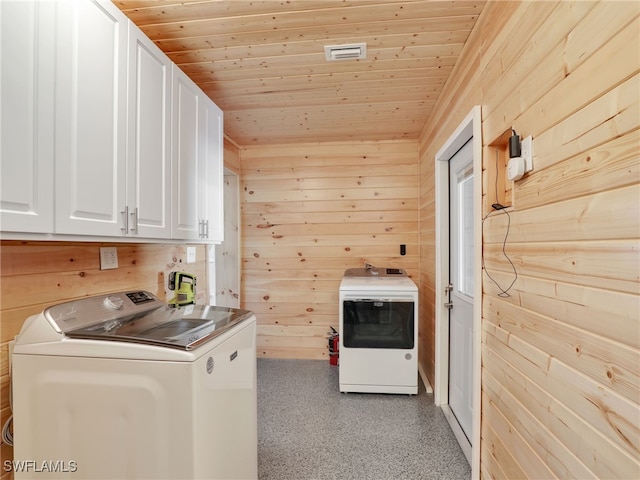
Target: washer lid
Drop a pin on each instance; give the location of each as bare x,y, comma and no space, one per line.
185,328
140,317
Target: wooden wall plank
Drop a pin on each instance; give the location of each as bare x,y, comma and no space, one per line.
312,264
341,207
308,256
370,215
610,265
305,183
369,229
394,239
601,216
301,320
316,154
332,194
326,169
605,313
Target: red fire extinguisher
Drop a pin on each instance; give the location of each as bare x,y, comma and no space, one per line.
334,342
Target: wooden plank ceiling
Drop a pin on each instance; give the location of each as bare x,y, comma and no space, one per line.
263,62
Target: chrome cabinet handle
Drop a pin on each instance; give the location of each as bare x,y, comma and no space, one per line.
134,220
125,217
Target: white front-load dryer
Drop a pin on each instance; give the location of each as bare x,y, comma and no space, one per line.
378,331
122,386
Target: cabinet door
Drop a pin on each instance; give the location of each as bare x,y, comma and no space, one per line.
26,76
148,139
91,73
186,134
211,175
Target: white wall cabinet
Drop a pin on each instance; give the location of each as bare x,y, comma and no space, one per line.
148,197
212,173
26,78
91,109
187,108
102,135
197,163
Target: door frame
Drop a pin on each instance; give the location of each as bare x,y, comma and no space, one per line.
471,127
215,250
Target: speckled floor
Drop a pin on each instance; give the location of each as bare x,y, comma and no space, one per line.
308,430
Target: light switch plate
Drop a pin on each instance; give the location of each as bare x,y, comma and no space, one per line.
108,258
191,254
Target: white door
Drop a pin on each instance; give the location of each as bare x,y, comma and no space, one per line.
461,287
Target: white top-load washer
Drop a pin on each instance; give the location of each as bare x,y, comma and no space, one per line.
122,386
378,331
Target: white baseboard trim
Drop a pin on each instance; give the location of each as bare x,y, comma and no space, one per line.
425,380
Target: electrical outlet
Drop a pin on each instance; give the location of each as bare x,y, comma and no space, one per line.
108,258
191,254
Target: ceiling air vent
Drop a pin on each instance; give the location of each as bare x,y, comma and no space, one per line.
353,51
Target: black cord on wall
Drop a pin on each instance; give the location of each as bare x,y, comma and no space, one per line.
497,207
504,292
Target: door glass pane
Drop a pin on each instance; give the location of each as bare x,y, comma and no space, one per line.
465,234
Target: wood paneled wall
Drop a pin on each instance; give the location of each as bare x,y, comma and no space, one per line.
561,354
309,212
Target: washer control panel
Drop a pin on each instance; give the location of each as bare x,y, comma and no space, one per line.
84,312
